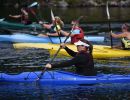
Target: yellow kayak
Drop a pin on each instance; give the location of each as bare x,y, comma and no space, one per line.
99,52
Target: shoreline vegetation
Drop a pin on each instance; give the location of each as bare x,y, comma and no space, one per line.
68,3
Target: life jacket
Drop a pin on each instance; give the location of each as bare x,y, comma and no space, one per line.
77,37
54,29
125,43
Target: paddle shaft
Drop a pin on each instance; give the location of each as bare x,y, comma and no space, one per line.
110,34
33,4
32,11
109,22
59,48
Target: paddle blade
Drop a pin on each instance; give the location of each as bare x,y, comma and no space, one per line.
107,10
2,19
52,15
33,4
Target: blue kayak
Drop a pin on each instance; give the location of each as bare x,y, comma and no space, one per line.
27,38
63,78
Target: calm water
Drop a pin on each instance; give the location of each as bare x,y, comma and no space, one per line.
36,92
17,60
92,14
95,18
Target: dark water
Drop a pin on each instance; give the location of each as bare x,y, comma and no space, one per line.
35,59
91,14
27,59
37,92
95,18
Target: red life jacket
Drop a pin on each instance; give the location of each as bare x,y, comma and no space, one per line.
77,37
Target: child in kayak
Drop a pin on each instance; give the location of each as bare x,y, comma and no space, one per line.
83,59
54,28
24,16
125,37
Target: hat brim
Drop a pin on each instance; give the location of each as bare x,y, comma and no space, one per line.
81,43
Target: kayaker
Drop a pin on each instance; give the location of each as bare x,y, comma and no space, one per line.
83,59
125,37
24,16
52,28
76,32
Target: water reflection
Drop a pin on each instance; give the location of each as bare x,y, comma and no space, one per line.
94,14
89,92
22,57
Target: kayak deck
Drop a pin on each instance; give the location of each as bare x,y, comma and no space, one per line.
27,38
65,78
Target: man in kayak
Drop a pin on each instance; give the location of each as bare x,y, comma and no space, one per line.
83,59
24,16
52,29
125,37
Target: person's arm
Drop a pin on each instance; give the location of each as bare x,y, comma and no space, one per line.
67,63
15,16
118,35
52,34
25,12
66,33
90,46
47,26
70,52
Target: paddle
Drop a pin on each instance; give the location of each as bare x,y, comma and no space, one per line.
32,11
108,17
33,4
59,48
37,16
2,19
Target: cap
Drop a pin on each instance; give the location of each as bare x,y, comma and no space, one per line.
81,43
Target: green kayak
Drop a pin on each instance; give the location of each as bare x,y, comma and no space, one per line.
19,26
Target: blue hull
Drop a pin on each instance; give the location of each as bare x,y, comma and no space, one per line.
19,37
63,78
